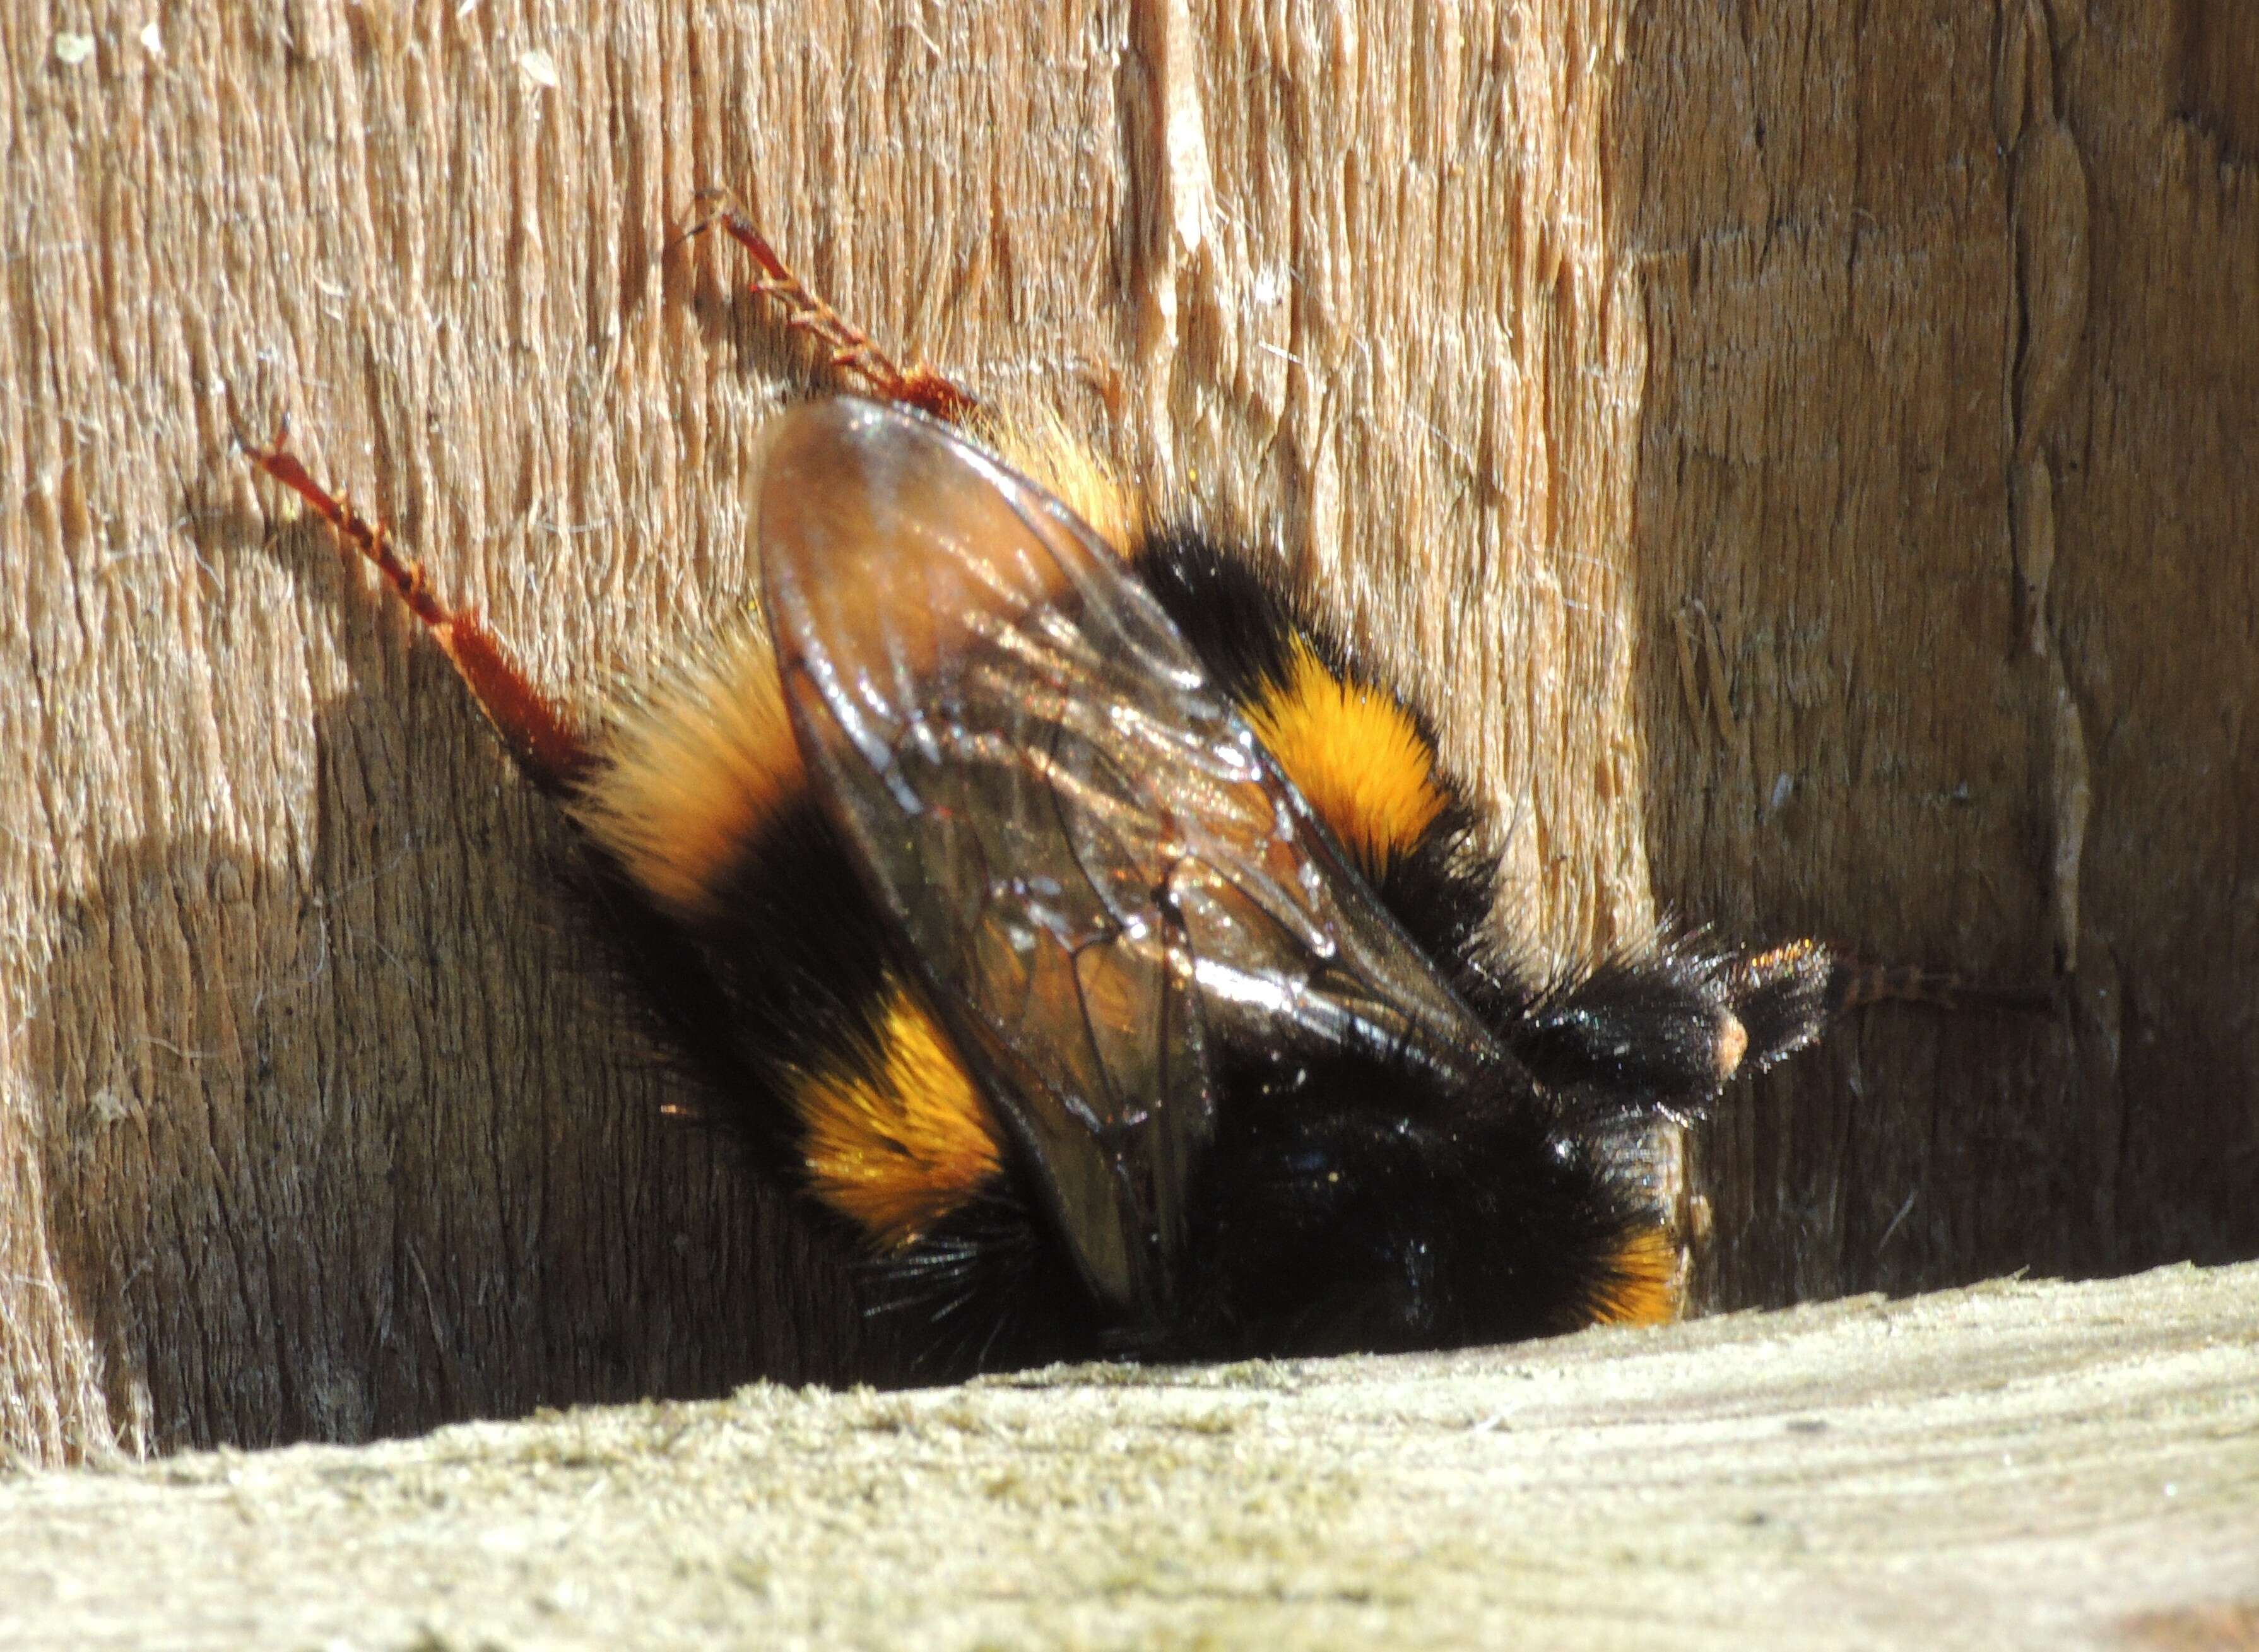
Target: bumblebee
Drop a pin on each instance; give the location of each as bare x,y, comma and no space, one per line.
1064,909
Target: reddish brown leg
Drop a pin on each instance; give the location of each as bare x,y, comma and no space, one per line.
916,386
1852,985
536,731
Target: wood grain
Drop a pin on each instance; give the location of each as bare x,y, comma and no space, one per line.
1967,1470
1856,401
1944,492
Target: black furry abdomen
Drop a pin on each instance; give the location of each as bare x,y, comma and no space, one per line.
1366,1208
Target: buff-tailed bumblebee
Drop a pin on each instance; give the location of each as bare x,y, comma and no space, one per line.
1065,909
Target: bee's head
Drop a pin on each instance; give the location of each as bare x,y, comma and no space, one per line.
1359,1202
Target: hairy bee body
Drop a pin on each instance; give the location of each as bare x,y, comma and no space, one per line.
1346,1193
1073,918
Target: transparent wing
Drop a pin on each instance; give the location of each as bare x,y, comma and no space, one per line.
1101,875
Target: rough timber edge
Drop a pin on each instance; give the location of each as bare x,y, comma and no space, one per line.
2016,1463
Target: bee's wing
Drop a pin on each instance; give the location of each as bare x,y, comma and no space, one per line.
1101,873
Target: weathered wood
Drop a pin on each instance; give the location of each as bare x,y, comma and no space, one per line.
2045,1466
1945,509
1681,408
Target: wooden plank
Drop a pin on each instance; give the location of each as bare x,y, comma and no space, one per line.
2016,1466
1668,402
1949,369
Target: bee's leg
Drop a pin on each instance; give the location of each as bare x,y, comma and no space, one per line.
1853,984
1662,1030
1781,998
916,386
1786,994
538,732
